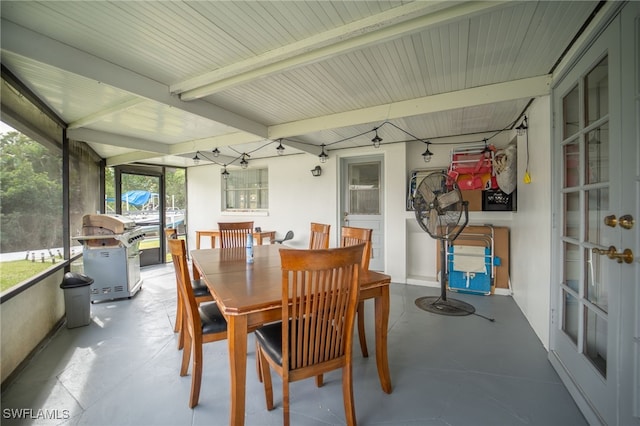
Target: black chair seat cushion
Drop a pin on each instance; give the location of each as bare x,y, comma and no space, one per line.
211,318
270,338
199,288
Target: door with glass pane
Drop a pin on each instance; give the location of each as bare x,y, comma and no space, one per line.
589,260
362,201
141,194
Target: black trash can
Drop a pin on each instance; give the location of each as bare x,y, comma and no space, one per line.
77,298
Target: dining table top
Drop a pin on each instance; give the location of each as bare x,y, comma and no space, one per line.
241,287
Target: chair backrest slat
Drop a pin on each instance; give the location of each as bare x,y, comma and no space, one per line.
178,251
234,234
319,238
352,236
322,286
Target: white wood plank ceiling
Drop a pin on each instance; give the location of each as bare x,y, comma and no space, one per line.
156,81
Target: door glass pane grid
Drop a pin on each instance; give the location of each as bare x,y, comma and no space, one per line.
595,340
585,162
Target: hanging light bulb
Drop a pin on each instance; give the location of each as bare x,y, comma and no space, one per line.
426,156
280,148
244,163
225,173
215,152
522,128
196,159
376,139
323,155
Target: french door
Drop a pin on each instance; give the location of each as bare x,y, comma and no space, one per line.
594,336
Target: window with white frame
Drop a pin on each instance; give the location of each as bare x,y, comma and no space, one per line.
246,190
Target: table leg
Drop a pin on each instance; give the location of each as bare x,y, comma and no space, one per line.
237,337
382,322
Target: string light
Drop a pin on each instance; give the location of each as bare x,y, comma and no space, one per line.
244,163
323,155
522,128
376,139
426,156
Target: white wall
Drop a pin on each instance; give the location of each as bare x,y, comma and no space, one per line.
296,198
531,228
27,319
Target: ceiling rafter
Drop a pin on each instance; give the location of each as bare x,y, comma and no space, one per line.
384,26
95,136
106,112
27,43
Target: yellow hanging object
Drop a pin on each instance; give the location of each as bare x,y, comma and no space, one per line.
527,177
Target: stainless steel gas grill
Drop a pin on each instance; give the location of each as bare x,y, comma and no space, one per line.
111,255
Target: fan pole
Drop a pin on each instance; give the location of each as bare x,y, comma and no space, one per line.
444,277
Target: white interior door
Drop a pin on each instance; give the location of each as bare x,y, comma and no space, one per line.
594,312
362,201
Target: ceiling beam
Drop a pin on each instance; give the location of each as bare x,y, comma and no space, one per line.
106,112
113,139
30,44
389,25
511,90
130,157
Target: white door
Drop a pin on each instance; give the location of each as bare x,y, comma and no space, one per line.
594,335
362,199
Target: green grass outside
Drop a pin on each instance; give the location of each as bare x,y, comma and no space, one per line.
17,271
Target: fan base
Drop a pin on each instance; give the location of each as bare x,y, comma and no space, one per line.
451,307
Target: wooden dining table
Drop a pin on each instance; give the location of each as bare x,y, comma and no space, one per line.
250,295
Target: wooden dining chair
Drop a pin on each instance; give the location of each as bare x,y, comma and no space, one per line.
201,323
320,292
319,238
200,291
350,236
234,234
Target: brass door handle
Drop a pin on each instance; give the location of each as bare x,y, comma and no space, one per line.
612,253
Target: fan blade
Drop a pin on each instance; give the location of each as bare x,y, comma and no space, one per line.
433,224
426,193
448,198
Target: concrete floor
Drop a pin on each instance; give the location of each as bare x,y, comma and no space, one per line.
122,369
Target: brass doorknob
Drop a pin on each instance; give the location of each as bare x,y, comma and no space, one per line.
626,221
612,253
611,220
